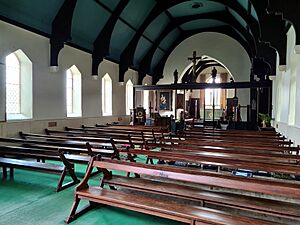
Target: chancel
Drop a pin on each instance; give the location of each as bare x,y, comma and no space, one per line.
150,112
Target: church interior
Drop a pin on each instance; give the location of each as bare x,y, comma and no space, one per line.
143,112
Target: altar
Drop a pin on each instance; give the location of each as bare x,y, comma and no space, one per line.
208,95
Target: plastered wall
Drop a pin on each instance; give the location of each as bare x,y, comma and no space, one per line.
286,93
49,104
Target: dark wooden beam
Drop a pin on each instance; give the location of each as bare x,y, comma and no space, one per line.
290,11
102,42
61,29
272,29
126,59
262,84
220,16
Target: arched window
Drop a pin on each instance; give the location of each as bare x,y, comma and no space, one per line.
13,85
146,101
18,86
213,94
106,95
129,96
73,92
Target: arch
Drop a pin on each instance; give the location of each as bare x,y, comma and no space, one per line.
73,92
225,49
203,64
106,95
18,86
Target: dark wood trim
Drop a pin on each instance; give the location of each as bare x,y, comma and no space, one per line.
263,84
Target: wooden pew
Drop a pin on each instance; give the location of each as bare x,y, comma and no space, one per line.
249,204
232,132
228,161
260,141
66,169
282,151
222,143
209,130
94,141
232,135
115,133
186,213
147,132
136,140
137,127
74,148
240,153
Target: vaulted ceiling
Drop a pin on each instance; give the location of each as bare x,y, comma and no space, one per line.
142,33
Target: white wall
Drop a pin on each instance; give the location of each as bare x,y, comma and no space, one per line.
49,88
219,46
286,93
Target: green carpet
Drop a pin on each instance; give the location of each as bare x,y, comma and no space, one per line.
30,199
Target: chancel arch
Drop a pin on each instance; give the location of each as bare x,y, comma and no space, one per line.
219,46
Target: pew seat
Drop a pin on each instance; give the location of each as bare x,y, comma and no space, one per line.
190,214
234,201
38,167
139,201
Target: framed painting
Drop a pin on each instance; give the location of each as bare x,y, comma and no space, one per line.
165,100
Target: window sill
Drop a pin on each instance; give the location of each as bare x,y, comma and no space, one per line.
107,114
73,115
16,117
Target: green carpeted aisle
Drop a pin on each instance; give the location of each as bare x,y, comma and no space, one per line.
30,199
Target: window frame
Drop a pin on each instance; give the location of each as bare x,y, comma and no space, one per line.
129,86
107,103
25,111
18,84
215,92
76,86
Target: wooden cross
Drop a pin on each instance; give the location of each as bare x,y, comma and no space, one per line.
194,61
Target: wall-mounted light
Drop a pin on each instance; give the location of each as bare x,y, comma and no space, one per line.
282,68
54,69
121,83
95,77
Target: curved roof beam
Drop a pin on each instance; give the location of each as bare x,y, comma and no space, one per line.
200,64
61,29
221,16
272,24
224,17
269,54
253,24
128,54
227,30
289,11
126,58
205,66
102,42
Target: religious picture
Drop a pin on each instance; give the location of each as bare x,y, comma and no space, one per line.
164,100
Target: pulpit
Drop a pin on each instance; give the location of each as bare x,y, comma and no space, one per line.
138,116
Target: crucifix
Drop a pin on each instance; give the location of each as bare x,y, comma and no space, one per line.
194,61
